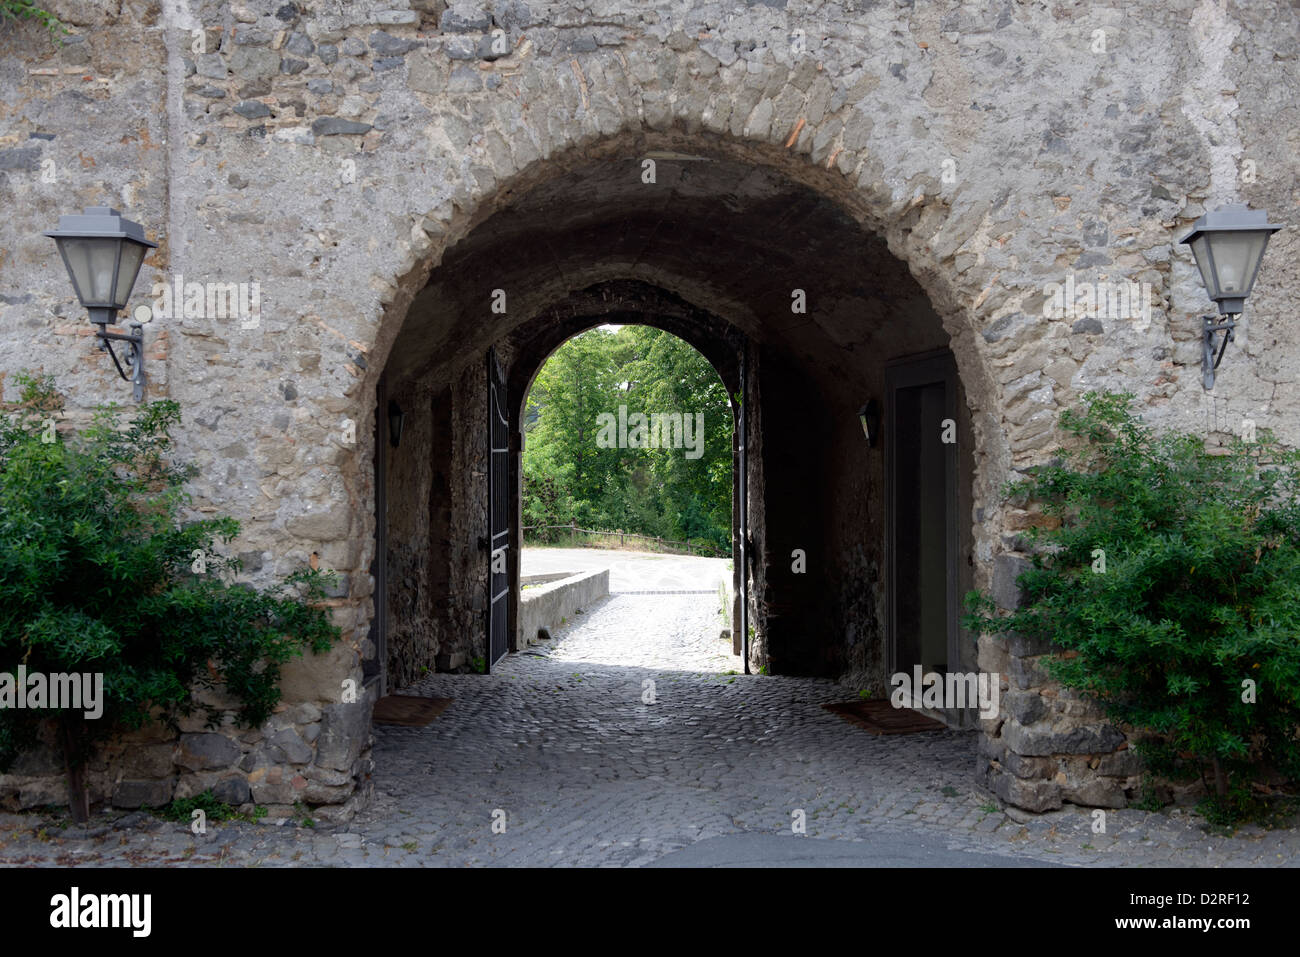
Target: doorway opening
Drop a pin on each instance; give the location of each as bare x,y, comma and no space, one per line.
628,465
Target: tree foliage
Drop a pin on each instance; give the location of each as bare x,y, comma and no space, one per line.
568,476
1173,581
100,574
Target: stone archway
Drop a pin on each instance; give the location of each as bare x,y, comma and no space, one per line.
723,252
352,155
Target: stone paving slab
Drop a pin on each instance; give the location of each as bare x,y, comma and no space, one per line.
584,769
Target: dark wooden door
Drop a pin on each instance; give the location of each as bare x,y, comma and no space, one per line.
921,541
498,513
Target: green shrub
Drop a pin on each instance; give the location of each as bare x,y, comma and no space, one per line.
14,10
1199,599
99,574
214,810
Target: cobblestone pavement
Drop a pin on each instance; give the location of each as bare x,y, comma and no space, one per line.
585,771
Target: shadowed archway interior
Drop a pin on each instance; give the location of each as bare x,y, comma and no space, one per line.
796,305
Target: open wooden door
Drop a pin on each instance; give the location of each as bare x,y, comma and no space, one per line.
498,513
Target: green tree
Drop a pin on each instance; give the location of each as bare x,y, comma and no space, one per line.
568,476
99,574
1173,583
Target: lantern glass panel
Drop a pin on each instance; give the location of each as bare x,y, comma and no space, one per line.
92,264
127,270
1237,255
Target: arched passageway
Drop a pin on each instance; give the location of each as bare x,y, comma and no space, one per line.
806,316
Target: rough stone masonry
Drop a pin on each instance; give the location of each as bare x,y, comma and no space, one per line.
922,170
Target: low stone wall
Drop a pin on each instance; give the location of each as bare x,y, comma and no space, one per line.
547,605
313,754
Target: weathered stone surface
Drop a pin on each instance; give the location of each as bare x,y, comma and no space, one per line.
288,747
385,44
254,61
26,158
252,109
202,751
1124,763
342,734
1025,767
1079,740
464,18
324,525
1037,796
150,793
233,791
299,44
315,677
1096,792
149,761
1006,568
1026,707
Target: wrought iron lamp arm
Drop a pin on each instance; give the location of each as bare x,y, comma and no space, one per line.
135,354
1209,362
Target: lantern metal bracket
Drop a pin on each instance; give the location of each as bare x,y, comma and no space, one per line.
135,349
1209,362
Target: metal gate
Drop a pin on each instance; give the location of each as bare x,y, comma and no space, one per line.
498,513
742,488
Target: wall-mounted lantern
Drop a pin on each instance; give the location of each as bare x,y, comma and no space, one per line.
103,252
396,419
1228,244
869,416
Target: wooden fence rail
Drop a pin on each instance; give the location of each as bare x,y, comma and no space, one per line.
573,530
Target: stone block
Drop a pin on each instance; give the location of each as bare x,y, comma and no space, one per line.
232,790
148,761
386,44
465,18
1121,764
1085,739
133,794
1096,792
254,61
315,793
1036,796
316,677
252,109
287,747
203,751
1026,768
1026,707
343,730
39,792
1006,568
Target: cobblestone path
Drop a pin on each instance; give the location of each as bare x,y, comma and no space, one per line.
565,746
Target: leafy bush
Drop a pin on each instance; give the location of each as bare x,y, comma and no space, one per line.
214,810
14,10
99,574
1198,602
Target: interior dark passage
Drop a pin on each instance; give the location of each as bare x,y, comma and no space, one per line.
799,308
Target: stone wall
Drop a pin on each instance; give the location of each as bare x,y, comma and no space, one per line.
548,604
345,155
